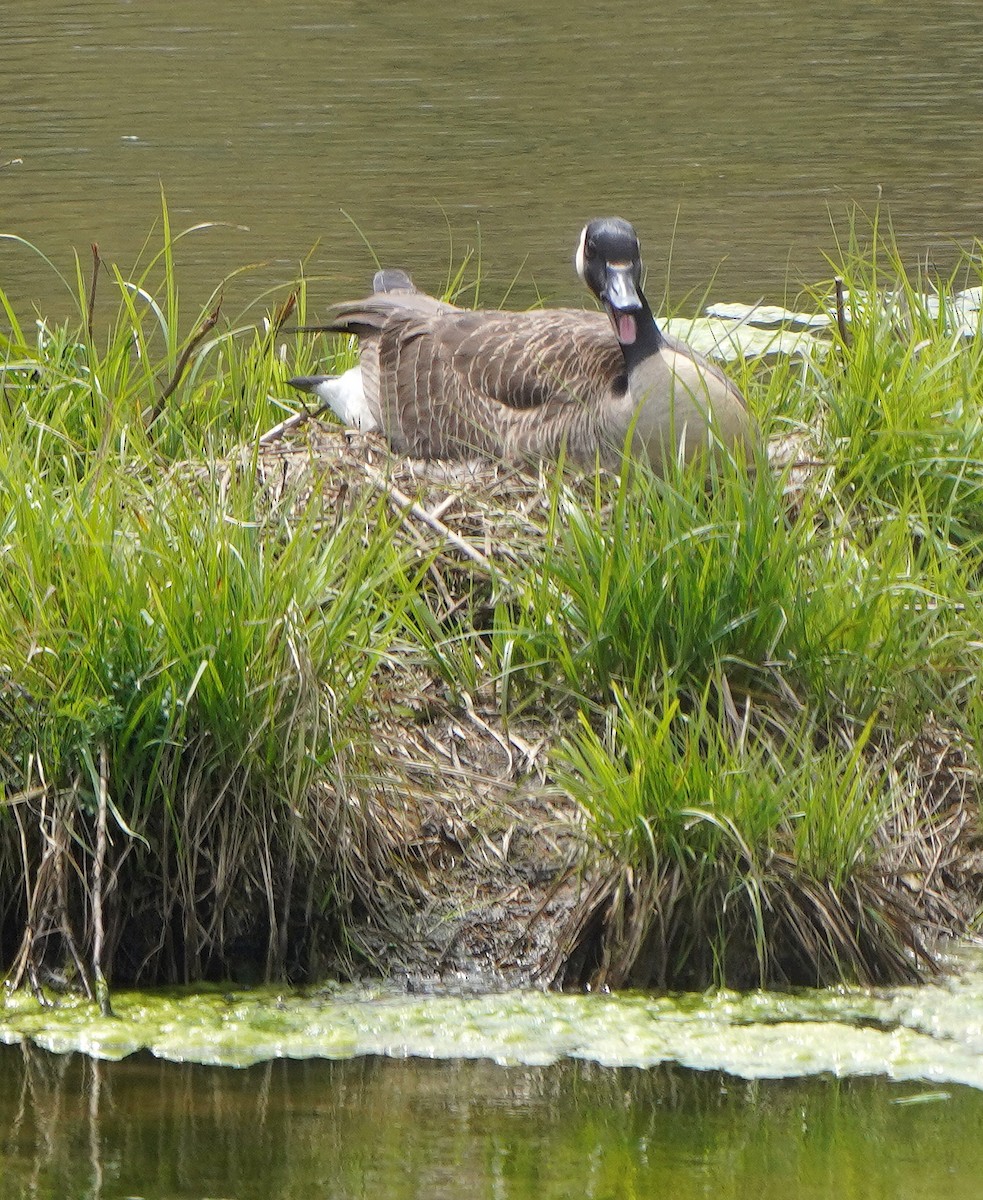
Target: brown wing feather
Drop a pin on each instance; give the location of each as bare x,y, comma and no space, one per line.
524,359
371,315
465,381
449,381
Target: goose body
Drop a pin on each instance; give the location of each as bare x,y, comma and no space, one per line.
445,382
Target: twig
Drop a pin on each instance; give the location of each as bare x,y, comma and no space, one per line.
102,990
300,418
96,264
486,728
16,975
61,854
23,798
202,332
404,505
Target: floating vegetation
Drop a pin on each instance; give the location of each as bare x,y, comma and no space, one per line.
933,1032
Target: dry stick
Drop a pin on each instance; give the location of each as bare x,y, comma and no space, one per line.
404,505
16,976
276,323
492,733
102,990
203,330
841,313
96,264
277,432
61,854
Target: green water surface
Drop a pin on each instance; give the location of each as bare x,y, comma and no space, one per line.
734,136
372,1127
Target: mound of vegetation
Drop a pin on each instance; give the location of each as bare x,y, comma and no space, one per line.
276,705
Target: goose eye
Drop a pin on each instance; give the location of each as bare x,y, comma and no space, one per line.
590,248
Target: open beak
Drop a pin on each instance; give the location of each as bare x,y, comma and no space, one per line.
621,300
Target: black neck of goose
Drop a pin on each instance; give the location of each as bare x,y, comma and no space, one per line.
648,338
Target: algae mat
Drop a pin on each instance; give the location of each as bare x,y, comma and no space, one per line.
933,1032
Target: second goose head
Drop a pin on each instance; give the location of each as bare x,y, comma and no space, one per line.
609,261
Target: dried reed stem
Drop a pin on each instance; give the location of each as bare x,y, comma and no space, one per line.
200,334
90,313
407,507
98,934
841,323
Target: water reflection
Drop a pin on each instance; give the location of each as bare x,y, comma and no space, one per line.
77,1127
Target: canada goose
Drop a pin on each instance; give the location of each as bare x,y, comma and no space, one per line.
445,382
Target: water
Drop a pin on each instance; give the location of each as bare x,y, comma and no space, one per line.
368,1128
733,136
368,1092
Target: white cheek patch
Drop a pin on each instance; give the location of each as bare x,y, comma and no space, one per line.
579,256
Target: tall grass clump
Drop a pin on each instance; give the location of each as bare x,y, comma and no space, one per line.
893,411
183,662
667,578
645,577
180,672
746,852
897,432
139,373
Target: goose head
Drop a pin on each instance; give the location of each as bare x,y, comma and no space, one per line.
609,261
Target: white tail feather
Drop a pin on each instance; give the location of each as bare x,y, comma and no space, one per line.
343,394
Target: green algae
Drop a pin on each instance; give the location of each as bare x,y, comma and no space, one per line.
933,1032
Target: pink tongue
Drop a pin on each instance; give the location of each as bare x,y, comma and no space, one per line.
626,329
